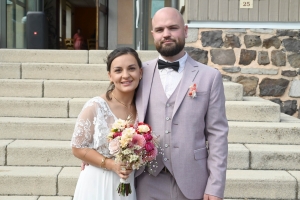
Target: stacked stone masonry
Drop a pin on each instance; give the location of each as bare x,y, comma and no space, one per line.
265,61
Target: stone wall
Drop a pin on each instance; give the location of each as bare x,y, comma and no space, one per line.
265,61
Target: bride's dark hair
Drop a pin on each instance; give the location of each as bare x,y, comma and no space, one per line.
113,55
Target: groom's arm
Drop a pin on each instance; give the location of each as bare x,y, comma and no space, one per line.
216,133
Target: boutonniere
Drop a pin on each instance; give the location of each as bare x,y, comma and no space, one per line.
192,91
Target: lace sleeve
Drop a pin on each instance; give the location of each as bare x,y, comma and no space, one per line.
85,127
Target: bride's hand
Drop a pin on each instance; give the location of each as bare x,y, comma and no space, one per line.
122,170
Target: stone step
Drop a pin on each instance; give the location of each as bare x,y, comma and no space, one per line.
259,111
21,88
264,132
28,180
33,107
256,111
10,70
43,56
252,109
63,56
240,184
79,89
62,128
238,157
74,89
55,198
256,184
67,180
19,197
3,145
277,157
36,128
59,154
59,71
41,153
288,119
260,184
35,198
233,91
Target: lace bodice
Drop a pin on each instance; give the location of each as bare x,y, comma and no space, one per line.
93,125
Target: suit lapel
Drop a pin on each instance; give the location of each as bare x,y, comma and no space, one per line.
143,93
191,69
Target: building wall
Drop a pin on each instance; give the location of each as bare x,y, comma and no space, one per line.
265,61
229,10
126,23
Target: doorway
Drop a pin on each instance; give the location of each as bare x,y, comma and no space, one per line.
83,24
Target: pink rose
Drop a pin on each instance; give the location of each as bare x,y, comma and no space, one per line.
149,146
148,137
114,146
139,140
150,155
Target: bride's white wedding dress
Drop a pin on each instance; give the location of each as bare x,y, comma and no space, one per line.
92,127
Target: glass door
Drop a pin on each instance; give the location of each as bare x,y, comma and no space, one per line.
145,9
16,11
101,24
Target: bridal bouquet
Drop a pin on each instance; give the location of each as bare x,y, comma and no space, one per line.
134,146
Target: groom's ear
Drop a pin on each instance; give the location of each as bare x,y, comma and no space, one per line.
141,72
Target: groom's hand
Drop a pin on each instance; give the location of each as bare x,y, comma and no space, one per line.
83,164
210,197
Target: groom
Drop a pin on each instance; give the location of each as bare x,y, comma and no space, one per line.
192,129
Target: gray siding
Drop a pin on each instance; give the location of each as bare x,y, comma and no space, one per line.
229,10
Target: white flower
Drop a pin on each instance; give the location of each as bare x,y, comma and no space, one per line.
143,128
119,124
127,151
126,137
133,158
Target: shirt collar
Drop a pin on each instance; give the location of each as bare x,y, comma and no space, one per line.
181,61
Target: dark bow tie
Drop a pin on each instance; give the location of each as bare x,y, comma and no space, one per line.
162,64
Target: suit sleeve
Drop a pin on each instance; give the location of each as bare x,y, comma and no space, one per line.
216,132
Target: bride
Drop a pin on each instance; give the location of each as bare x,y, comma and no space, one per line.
100,179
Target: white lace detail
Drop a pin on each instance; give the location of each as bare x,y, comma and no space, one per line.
93,125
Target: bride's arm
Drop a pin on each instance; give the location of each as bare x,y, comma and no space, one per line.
96,159
82,141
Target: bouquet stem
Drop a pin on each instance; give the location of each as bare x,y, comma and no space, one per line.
124,188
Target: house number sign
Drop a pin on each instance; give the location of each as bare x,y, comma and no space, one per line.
246,3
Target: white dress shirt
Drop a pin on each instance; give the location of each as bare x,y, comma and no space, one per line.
169,77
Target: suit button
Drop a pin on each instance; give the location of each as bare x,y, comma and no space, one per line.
166,132
167,118
168,105
165,159
166,145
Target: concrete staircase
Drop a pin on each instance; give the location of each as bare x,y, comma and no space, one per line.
42,92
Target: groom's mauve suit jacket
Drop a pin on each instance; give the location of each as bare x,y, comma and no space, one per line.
196,169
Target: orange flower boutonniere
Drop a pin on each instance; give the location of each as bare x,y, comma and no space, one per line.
192,91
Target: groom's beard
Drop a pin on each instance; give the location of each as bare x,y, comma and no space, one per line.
170,50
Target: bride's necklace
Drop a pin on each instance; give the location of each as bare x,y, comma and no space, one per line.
128,107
